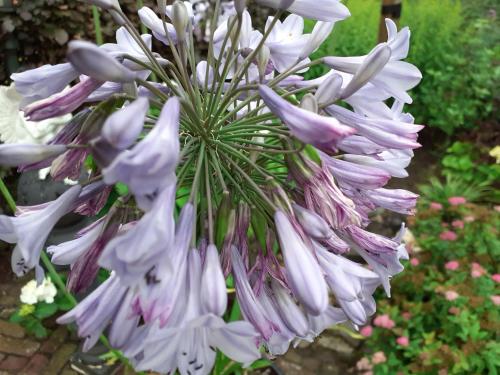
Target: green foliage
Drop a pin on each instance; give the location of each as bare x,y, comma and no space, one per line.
471,164
454,48
31,317
456,59
446,331
354,36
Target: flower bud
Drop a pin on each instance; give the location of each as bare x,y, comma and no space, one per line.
371,66
309,103
263,60
12,155
213,285
122,128
329,90
94,62
180,19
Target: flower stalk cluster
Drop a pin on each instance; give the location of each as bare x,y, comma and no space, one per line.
240,173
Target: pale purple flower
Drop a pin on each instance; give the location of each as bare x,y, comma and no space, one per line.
358,176
250,308
397,200
188,344
62,103
89,59
286,41
122,128
213,285
155,24
396,77
304,275
160,287
42,82
83,252
133,253
291,314
94,313
12,154
384,132
351,284
313,224
320,32
391,161
307,126
150,165
30,229
321,10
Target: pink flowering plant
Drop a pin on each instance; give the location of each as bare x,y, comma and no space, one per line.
227,189
443,316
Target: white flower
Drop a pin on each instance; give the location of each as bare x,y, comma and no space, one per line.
14,128
31,293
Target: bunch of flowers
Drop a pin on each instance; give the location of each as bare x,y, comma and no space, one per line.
239,172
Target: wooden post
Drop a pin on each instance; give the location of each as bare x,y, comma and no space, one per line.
390,9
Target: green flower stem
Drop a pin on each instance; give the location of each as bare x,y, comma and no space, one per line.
209,204
144,29
217,170
250,58
96,15
210,57
214,98
8,197
252,183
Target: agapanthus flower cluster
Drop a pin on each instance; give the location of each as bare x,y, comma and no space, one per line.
247,185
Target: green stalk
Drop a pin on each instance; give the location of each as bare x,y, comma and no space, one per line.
144,29
97,25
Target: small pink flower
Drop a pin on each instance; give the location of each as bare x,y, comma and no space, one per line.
384,321
366,331
469,218
452,265
406,315
456,201
496,277
451,295
454,310
497,208
457,224
364,364
495,300
477,270
403,341
414,262
378,357
444,225
436,206
448,235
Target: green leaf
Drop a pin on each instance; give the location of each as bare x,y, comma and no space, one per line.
121,189
44,310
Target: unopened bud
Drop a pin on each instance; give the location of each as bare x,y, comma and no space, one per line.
329,91
309,103
263,60
180,19
94,62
